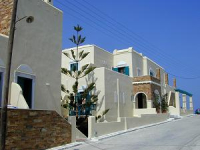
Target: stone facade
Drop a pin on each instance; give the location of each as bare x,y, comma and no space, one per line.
5,15
147,85
146,78
36,129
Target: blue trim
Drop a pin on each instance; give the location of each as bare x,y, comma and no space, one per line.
183,92
74,66
29,76
115,69
127,70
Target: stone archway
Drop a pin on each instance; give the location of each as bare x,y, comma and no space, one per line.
141,101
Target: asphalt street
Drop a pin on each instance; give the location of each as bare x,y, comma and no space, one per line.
181,134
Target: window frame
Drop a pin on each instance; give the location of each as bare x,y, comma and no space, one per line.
151,71
73,62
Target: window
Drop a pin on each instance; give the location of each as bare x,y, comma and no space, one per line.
84,106
151,72
123,70
138,72
73,66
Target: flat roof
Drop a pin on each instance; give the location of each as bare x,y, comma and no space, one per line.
183,92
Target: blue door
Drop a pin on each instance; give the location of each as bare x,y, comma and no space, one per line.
1,87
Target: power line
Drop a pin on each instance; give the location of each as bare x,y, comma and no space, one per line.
186,78
116,37
163,56
133,33
106,28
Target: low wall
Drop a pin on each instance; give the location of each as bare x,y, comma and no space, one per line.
174,111
139,112
102,128
98,129
145,119
36,129
186,112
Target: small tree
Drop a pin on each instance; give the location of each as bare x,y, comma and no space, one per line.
156,103
78,103
164,103
160,105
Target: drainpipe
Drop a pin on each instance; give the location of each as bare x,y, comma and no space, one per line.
118,97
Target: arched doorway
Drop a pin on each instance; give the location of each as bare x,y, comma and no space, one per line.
25,77
141,101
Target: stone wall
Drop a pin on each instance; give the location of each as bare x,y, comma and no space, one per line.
5,16
147,88
36,129
146,78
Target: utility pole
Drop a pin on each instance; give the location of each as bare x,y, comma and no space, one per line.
7,76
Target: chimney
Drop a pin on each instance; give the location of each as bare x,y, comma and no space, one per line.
158,73
166,79
174,82
5,15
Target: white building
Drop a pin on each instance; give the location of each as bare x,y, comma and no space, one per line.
126,80
36,57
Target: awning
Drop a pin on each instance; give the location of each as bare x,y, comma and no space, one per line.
183,92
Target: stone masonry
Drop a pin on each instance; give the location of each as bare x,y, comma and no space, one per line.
36,129
144,85
5,16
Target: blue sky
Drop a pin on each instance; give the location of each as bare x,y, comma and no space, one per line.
167,31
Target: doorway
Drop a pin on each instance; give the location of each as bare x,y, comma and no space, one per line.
141,101
1,87
26,84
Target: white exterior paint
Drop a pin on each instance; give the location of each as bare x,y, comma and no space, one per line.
184,101
119,99
124,123
38,45
17,98
191,103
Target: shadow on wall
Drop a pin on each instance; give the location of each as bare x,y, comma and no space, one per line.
92,79
17,98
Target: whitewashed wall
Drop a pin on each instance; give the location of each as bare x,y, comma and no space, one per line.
38,45
124,123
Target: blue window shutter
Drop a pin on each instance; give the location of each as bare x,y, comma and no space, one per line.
74,67
127,70
71,67
115,69
88,97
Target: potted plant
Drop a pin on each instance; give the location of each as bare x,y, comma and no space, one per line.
156,103
164,103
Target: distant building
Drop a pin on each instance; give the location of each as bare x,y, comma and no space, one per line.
139,79
36,53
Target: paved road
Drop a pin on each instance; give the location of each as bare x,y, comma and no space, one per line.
183,134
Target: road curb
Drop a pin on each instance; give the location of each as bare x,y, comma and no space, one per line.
96,139
129,130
